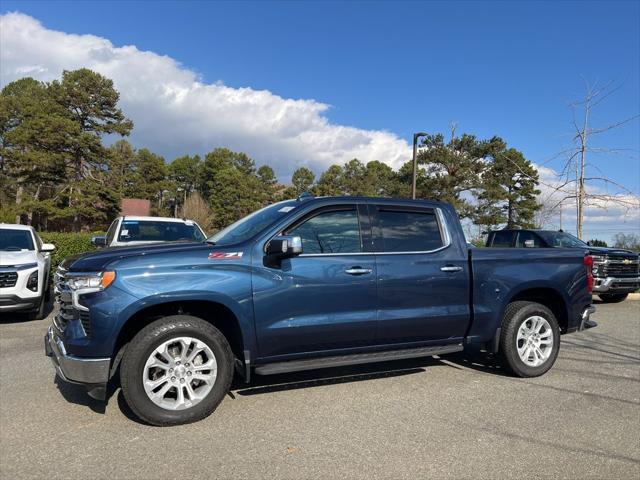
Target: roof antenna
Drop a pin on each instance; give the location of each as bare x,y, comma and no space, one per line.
304,196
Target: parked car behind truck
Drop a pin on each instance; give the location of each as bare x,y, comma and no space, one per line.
616,271
25,262
305,284
135,230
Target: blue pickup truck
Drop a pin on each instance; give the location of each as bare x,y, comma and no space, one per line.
306,284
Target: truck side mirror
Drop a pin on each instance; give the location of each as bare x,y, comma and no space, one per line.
529,244
284,246
99,241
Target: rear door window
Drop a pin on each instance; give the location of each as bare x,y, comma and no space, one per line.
502,239
409,231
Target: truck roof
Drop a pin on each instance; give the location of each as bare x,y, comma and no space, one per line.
138,218
16,226
405,201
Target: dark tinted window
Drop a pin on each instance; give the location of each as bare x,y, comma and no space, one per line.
409,231
524,236
15,240
501,239
150,231
330,232
562,239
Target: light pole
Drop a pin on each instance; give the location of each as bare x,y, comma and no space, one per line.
415,162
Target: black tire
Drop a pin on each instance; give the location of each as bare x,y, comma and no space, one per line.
613,297
40,312
515,314
141,347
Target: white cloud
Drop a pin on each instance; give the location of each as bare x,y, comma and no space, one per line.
176,113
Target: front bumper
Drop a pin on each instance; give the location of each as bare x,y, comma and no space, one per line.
93,372
15,303
616,285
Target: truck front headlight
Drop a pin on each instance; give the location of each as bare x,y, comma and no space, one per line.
94,281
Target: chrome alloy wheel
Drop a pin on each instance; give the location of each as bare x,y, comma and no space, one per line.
179,373
534,341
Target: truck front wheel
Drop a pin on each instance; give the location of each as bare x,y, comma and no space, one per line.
529,339
176,370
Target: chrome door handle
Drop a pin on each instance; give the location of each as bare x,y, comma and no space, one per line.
450,268
357,271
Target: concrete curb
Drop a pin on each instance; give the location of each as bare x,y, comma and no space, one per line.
634,296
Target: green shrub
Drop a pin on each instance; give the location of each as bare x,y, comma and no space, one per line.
7,215
67,244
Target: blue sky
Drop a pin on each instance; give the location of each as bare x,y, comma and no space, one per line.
495,68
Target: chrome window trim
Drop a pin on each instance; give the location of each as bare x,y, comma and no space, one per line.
444,234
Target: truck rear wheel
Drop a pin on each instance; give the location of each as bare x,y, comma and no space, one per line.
613,297
529,339
176,370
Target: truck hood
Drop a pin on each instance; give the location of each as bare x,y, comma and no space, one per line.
98,260
614,252
12,259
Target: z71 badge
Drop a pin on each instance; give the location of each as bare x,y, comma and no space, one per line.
224,255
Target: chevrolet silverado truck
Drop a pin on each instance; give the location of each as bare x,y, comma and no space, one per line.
616,271
306,284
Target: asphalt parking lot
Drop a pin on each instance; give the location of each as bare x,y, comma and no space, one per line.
455,417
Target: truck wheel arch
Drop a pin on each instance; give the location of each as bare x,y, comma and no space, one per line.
216,313
549,297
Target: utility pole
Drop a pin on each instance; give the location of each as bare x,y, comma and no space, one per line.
415,162
560,215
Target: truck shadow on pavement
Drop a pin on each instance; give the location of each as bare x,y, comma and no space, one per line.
78,394
20,317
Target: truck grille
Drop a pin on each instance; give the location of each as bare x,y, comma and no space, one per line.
85,319
620,268
67,313
8,279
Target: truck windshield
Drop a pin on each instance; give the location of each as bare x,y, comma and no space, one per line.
15,240
252,224
158,231
562,239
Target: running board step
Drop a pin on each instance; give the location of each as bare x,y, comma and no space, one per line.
355,359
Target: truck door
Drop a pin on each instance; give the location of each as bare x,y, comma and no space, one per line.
324,299
423,279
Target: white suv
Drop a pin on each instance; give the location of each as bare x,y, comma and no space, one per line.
130,230
24,270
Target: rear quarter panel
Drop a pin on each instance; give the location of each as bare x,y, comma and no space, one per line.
499,274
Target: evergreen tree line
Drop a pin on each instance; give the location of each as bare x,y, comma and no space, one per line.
57,173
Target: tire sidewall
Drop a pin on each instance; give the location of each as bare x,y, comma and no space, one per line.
613,297
149,339
510,350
